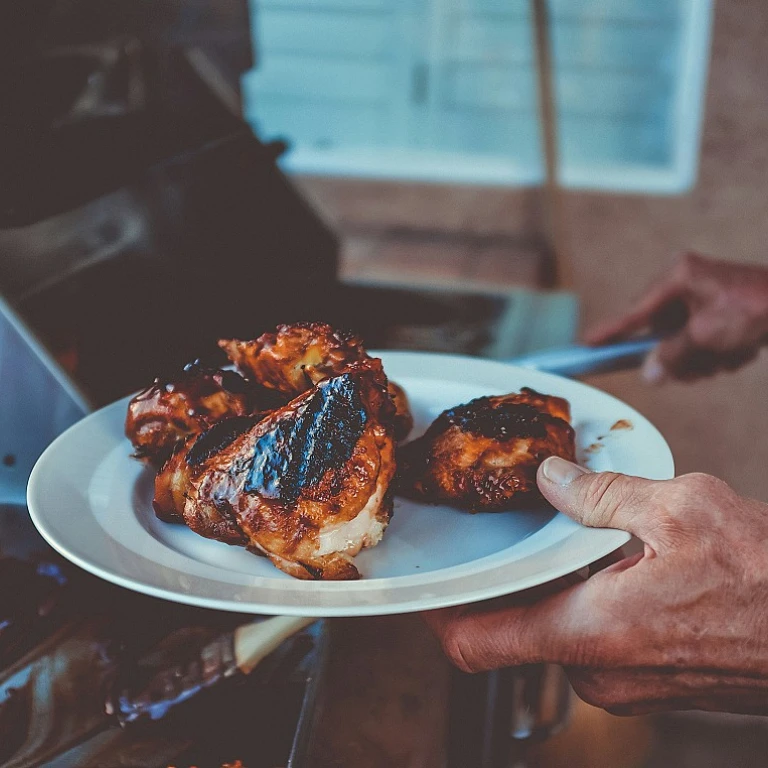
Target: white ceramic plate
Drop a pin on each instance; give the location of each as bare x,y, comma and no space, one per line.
92,503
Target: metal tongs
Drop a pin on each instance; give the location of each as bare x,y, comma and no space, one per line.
581,360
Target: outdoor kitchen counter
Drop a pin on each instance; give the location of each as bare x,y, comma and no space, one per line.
385,702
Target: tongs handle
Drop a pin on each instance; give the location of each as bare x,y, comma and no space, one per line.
580,360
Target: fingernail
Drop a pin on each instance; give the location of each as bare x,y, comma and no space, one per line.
653,371
560,471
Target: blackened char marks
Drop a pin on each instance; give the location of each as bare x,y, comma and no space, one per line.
196,372
218,437
507,420
234,383
298,452
313,571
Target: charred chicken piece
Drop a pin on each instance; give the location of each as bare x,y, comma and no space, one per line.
483,456
177,476
296,357
171,483
307,486
167,412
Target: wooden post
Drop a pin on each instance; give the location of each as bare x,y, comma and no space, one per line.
557,273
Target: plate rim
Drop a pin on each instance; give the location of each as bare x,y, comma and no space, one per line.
609,539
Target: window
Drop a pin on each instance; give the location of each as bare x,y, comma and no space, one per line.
445,90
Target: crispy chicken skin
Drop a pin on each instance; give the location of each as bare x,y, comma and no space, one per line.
296,357
307,486
171,484
185,466
483,456
167,412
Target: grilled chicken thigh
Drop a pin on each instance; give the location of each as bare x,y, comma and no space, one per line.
307,486
169,411
483,456
296,357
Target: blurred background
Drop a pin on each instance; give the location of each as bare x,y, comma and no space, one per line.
638,115
482,176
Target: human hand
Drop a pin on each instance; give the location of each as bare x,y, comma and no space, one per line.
682,625
718,310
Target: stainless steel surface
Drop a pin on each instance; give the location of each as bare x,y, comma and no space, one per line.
37,403
310,713
540,702
580,360
61,659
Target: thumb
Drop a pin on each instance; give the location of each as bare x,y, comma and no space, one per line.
664,294
600,499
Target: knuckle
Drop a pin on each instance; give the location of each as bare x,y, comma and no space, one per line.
590,690
457,646
692,507
602,497
699,484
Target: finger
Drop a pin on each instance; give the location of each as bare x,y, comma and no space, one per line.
600,499
566,628
732,361
706,362
620,690
677,357
680,358
641,690
437,620
641,315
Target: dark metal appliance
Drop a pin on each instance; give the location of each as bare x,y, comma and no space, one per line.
139,215
140,218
